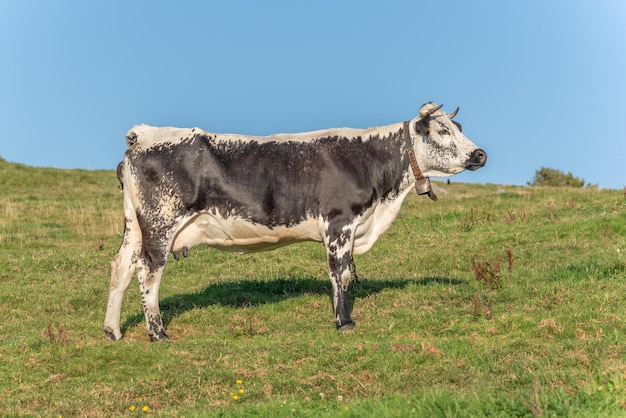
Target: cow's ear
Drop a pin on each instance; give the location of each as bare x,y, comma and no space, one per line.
421,126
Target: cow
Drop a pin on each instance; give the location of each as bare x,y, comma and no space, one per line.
341,187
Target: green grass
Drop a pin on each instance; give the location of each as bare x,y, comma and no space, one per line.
431,339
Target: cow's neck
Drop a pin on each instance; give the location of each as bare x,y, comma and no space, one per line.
422,183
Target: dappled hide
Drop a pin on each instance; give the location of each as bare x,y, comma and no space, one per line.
340,187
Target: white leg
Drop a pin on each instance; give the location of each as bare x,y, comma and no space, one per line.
123,268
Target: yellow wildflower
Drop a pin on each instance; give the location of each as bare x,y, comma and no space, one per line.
131,408
235,397
239,382
241,391
145,408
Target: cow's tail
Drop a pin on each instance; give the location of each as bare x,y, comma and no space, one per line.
131,201
120,174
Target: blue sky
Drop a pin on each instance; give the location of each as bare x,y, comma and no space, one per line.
539,83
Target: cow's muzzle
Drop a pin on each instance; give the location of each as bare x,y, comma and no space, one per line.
477,159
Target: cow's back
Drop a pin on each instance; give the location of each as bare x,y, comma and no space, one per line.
275,183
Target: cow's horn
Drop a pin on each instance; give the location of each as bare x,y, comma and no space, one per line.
425,113
453,114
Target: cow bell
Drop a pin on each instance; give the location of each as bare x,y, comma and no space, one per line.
422,186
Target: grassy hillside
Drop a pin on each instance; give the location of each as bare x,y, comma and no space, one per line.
495,301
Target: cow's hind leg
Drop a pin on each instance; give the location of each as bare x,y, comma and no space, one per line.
339,252
149,277
157,238
149,273
122,270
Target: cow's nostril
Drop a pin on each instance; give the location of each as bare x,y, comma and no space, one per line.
477,159
480,156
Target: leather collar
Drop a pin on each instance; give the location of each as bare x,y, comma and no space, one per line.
422,183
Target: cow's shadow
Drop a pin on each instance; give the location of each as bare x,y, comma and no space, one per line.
247,292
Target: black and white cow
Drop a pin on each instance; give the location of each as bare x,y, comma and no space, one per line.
341,187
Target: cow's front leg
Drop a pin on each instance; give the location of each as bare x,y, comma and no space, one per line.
339,252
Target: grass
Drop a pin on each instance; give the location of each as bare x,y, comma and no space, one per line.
495,301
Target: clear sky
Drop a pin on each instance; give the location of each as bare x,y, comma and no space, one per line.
539,82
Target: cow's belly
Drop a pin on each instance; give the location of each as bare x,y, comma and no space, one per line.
238,235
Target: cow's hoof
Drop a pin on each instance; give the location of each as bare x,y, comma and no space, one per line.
111,335
349,326
159,336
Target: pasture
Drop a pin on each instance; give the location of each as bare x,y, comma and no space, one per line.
494,301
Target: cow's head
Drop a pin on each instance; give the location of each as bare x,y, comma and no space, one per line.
440,147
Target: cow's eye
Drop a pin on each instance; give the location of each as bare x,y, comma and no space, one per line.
443,132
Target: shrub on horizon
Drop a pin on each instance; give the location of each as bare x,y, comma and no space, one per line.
555,178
